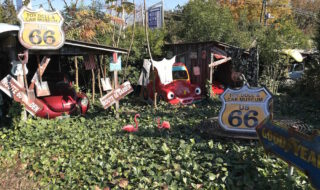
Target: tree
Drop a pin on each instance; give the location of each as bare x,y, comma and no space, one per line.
282,34
173,24
311,78
255,8
305,13
207,20
8,12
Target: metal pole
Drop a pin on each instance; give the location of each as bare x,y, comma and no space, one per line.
290,171
162,13
150,55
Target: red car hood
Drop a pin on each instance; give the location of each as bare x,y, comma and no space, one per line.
181,89
62,99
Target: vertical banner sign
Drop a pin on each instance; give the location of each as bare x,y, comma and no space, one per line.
155,16
292,146
243,109
40,29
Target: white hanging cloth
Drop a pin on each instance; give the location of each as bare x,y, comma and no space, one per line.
164,69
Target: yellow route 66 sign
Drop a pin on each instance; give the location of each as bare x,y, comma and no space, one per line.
40,29
244,109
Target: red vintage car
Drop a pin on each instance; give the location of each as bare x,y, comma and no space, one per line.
64,100
217,88
180,90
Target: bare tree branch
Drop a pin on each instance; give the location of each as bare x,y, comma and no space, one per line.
50,4
67,6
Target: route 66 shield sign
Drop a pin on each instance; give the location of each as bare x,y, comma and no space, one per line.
40,29
244,109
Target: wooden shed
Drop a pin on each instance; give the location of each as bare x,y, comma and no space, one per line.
198,55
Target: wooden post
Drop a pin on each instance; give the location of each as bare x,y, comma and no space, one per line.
77,72
116,85
105,67
99,74
99,83
93,85
211,73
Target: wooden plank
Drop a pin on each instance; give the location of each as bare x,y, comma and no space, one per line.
14,90
116,95
219,62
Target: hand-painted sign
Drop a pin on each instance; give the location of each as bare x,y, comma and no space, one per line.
17,70
14,90
203,54
43,65
294,147
40,29
115,63
196,70
193,55
244,109
106,85
116,95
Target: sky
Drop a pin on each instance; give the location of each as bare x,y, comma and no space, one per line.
58,4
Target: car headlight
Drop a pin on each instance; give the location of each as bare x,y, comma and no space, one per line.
170,95
84,101
197,91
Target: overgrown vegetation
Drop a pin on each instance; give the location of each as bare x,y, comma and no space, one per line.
93,152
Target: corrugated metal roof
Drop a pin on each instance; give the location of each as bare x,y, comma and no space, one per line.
95,46
75,43
8,27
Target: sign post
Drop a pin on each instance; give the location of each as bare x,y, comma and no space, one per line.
297,149
244,109
115,66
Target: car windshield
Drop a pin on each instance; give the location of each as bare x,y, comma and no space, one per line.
179,73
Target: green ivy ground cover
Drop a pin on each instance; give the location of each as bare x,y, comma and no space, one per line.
93,153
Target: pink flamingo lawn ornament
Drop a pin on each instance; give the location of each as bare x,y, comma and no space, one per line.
131,128
164,124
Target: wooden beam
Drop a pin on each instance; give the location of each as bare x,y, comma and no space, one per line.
219,62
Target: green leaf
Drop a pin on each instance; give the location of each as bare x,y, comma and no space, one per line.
212,176
165,148
210,143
